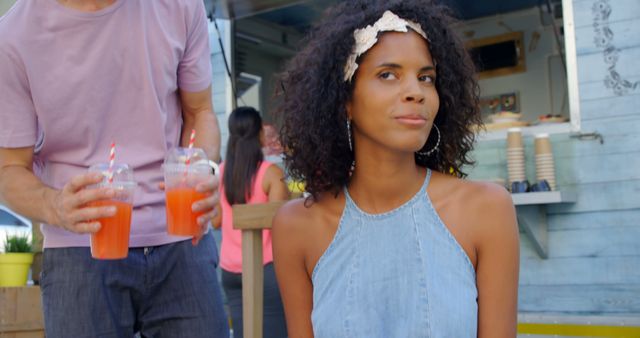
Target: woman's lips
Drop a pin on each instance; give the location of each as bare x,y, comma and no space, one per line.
412,120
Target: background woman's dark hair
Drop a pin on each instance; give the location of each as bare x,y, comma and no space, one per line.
244,154
313,108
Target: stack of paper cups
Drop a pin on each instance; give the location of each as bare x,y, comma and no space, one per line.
515,156
545,167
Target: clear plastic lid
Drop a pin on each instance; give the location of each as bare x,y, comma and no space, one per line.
120,174
120,178
192,160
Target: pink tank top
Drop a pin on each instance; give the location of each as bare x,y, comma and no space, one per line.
231,251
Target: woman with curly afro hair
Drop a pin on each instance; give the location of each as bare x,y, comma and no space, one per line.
392,241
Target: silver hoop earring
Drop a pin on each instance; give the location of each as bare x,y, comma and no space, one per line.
434,149
349,134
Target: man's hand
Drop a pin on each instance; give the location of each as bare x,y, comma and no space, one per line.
70,205
206,206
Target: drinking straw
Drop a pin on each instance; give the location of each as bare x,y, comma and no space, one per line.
192,139
112,159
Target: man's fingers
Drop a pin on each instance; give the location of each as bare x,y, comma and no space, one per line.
86,196
86,227
203,224
195,240
90,214
209,185
203,220
83,180
205,204
71,201
203,230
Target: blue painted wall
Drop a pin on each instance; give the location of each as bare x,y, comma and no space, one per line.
594,244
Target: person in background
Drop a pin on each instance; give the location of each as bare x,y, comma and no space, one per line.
377,113
248,179
272,145
271,148
76,75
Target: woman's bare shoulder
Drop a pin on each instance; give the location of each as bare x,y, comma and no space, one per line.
485,204
474,195
476,213
273,175
304,228
291,213
492,210
486,197
273,170
307,214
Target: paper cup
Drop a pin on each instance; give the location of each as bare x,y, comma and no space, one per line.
514,138
542,144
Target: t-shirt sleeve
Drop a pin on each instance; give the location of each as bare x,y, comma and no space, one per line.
194,70
19,124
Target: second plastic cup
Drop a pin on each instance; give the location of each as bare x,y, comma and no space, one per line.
184,169
112,240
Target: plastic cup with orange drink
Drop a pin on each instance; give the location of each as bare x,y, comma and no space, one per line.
184,169
112,240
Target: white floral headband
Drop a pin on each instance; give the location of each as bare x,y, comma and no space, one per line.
368,36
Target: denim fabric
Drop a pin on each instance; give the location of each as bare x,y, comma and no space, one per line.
396,274
273,324
164,291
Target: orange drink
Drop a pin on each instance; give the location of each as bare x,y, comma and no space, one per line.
181,220
184,170
112,240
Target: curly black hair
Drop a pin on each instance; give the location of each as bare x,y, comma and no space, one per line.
313,112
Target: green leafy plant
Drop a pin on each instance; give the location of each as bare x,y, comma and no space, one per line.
17,243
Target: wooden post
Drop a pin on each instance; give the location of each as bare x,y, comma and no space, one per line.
252,283
21,312
36,248
252,219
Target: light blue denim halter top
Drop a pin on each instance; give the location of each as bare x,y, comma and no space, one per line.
394,275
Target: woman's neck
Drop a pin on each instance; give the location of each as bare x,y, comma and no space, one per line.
384,182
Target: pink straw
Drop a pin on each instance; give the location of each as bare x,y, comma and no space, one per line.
112,160
192,139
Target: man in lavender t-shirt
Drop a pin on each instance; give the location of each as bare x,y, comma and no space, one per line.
76,75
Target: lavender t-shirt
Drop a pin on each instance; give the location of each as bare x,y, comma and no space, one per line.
72,82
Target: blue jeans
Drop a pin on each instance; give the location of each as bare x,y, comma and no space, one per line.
164,291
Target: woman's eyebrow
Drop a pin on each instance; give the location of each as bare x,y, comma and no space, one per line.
397,66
